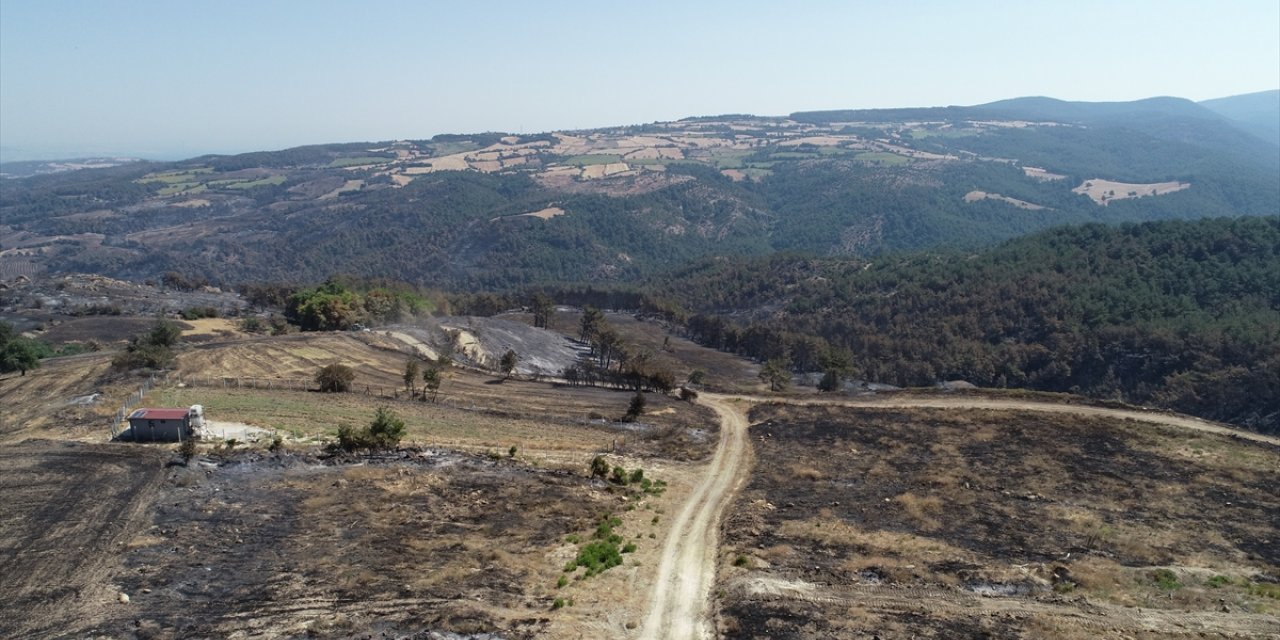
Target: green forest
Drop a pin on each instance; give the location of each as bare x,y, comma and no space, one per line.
1182,315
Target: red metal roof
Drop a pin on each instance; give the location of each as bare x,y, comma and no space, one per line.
158,414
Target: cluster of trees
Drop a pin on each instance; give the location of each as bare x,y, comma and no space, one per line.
150,350
432,376
339,304
1184,315
614,363
18,353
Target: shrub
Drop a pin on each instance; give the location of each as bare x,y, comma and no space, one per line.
629,548
599,556
196,313
335,378
637,475
1165,579
830,381
252,324
635,409
687,394
384,432
619,476
187,450
558,603
599,467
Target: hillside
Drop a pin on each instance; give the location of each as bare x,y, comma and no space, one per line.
495,211
1257,113
1181,315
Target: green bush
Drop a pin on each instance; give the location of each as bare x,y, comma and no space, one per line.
196,313
335,378
1165,579
598,556
384,432
599,467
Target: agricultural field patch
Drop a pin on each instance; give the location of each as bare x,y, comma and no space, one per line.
977,196
364,161
1104,191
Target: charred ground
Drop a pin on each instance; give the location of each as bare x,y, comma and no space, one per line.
896,522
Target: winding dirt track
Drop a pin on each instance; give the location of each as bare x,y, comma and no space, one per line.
679,604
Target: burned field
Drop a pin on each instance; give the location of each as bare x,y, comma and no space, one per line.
67,510
931,523
290,545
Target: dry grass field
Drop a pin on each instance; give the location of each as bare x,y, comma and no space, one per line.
947,523
975,196
1104,191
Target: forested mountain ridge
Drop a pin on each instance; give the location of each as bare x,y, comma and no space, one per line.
1256,113
1179,314
495,211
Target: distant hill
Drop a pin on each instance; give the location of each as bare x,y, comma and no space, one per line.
496,211
1257,113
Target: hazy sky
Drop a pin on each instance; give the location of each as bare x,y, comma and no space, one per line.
176,78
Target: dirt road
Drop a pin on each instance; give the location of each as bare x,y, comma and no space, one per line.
1000,404
687,569
679,602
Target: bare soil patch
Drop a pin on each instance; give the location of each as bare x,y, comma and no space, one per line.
541,214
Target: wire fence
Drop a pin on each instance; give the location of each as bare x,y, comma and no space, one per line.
134,400
284,384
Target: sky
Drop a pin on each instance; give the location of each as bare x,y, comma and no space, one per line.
175,79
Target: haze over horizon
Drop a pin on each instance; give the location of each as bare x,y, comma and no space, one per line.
166,81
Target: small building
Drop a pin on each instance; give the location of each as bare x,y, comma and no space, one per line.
161,425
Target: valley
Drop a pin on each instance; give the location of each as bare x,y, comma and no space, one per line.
676,380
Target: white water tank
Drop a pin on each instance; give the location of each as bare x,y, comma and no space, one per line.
196,415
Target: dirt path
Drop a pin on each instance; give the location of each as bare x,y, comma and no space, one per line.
679,602
999,404
687,568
